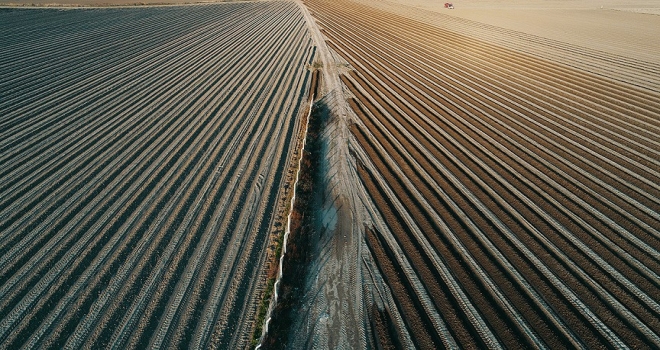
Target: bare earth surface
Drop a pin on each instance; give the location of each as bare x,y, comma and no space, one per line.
491,180
503,164
628,28
142,154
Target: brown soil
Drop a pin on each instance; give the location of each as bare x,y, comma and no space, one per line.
518,171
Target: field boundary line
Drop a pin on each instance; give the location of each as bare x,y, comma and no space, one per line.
273,302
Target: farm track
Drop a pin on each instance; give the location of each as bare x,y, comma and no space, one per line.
521,195
140,171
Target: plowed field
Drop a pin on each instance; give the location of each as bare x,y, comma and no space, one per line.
519,194
142,155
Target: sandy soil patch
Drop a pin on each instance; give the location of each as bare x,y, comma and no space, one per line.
627,28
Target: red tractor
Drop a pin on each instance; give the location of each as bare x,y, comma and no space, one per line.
449,5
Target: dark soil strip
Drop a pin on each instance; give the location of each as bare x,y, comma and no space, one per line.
273,261
417,321
300,245
385,333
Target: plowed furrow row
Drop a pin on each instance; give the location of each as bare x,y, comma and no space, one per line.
604,159
609,94
57,171
463,253
119,35
544,177
473,214
607,65
188,219
251,181
417,85
601,291
425,101
133,186
85,66
651,252
578,155
89,66
131,142
142,68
